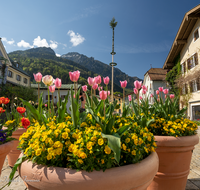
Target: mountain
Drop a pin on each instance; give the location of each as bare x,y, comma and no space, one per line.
101,68
44,60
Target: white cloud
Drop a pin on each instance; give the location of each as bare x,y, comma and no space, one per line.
58,55
76,39
40,42
11,42
53,44
24,44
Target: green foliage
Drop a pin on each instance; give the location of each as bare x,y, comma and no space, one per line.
172,75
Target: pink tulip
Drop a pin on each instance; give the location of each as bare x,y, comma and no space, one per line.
74,76
45,105
160,89
144,91
165,96
108,93
172,96
140,97
84,88
138,84
100,88
106,80
95,86
103,95
129,98
123,84
98,79
166,91
52,88
58,83
37,77
91,81
157,92
135,90
144,87
151,95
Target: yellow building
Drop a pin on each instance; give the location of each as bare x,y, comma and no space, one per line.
187,46
14,73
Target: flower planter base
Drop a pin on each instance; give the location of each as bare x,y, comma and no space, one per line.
131,177
174,162
4,150
14,153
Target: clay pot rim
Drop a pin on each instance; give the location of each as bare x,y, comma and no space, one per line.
6,147
176,141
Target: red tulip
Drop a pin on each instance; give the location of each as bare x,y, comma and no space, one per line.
37,77
25,122
21,110
74,76
106,80
172,96
123,84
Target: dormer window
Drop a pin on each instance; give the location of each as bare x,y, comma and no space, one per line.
196,35
17,65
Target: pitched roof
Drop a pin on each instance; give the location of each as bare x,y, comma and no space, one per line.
188,22
19,68
157,74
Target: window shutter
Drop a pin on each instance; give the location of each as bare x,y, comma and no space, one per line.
198,83
196,58
191,86
184,69
188,64
186,88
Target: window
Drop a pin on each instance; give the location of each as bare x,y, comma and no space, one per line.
18,77
196,112
10,74
25,80
193,86
17,65
192,61
62,97
196,35
50,97
183,69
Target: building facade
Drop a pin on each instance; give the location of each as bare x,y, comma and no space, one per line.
186,46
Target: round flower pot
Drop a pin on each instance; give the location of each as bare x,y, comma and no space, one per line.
4,150
134,176
174,162
14,153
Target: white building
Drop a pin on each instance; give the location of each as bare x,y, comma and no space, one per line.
154,78
64,90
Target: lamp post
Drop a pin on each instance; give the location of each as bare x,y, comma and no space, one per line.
113,24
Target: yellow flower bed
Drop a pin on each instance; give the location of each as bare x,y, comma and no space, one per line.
84,148
173,127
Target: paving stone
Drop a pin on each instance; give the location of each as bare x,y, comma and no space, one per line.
191,186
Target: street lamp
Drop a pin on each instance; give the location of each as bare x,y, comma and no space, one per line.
113,24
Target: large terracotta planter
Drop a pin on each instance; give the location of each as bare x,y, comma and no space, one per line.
174,162
4,150
131,177
14,153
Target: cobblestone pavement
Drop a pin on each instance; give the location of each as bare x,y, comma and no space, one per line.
193,182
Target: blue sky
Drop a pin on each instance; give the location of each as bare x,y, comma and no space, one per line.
143,36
